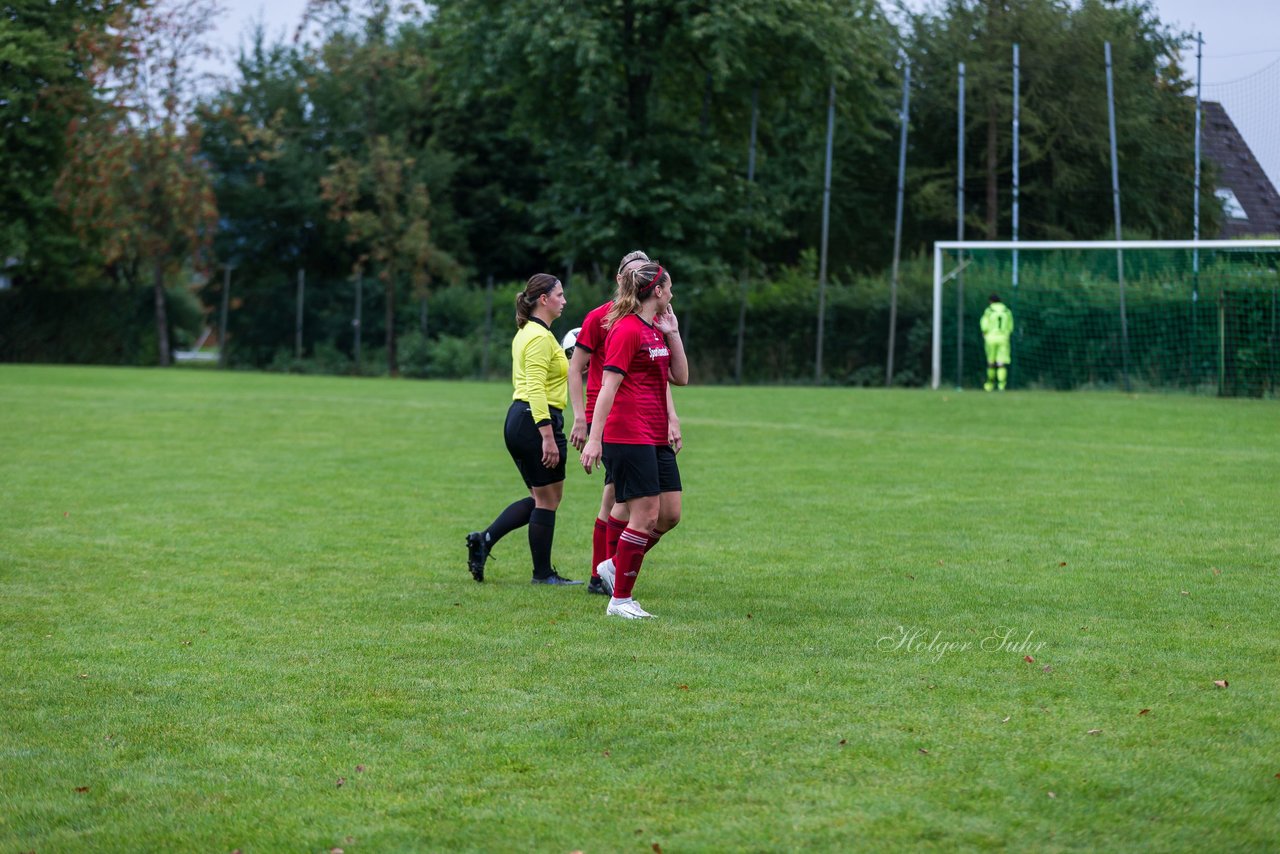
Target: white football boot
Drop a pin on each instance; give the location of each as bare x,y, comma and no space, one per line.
628,608
605,570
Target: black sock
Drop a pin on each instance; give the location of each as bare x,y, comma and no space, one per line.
515,516
542,530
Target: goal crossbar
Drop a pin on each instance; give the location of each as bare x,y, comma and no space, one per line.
943,246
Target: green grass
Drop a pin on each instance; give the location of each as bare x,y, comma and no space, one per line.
222,592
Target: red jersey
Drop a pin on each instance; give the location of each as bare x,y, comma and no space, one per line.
591,338
639,352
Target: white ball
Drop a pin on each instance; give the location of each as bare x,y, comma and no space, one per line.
570,338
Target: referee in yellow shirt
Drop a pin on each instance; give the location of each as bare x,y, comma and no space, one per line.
534,431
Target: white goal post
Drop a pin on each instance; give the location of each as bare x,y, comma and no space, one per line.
943,248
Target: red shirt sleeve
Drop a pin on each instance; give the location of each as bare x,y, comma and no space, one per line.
620,346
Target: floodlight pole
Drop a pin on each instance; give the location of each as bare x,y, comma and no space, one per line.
960,128
1115,195
826,228
897,222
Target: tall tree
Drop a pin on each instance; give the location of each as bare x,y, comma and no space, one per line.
44,83
636,112
1065,184
375,184
134,183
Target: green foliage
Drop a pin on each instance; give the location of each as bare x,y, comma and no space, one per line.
45,52
1065,180
646,142
106,326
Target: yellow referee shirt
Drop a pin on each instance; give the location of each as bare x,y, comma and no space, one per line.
539,370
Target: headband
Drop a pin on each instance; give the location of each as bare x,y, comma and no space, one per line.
643,259
648,289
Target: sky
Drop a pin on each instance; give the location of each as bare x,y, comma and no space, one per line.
1242,38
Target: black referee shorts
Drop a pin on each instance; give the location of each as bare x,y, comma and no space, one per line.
641,470
524,442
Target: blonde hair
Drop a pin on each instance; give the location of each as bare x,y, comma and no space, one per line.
636,286
637,255
527,300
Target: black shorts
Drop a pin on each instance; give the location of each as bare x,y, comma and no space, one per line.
641,470
524,441
608,476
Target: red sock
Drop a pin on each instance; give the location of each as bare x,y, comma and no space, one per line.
626,562
598,553
611,538
654,536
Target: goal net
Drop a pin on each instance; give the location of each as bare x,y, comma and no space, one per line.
1130,315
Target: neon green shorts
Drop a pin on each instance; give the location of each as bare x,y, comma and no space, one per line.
998,351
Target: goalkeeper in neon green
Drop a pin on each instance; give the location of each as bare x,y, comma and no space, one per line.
997,327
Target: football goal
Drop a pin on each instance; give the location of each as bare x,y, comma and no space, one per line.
1197,316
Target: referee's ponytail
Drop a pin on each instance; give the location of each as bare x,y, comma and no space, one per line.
538,285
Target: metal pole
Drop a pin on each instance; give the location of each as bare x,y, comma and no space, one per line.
1195,225
935,377
960,128
1271,351
297,329
355,323
1017,82
826,228
1195,234
1115,195
746,242
488,326
222,321
1222,341
897,223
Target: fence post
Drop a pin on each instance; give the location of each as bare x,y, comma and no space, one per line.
746,243
960,129
897,222
222,321
826,225
297,329
1115,195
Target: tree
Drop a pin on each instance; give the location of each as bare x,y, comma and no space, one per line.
373,184
1065,163
134,183
636,113
44,82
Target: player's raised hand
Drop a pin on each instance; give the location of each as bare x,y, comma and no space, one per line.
666,322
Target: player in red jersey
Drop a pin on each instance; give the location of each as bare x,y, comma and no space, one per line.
588,361
643,355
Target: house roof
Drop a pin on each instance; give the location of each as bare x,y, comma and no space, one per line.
1257,204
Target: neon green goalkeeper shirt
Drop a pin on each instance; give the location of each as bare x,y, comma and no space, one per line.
997,322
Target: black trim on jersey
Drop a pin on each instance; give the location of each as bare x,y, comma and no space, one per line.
614,370
540,322
583,347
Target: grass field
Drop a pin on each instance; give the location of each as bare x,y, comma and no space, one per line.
235,614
